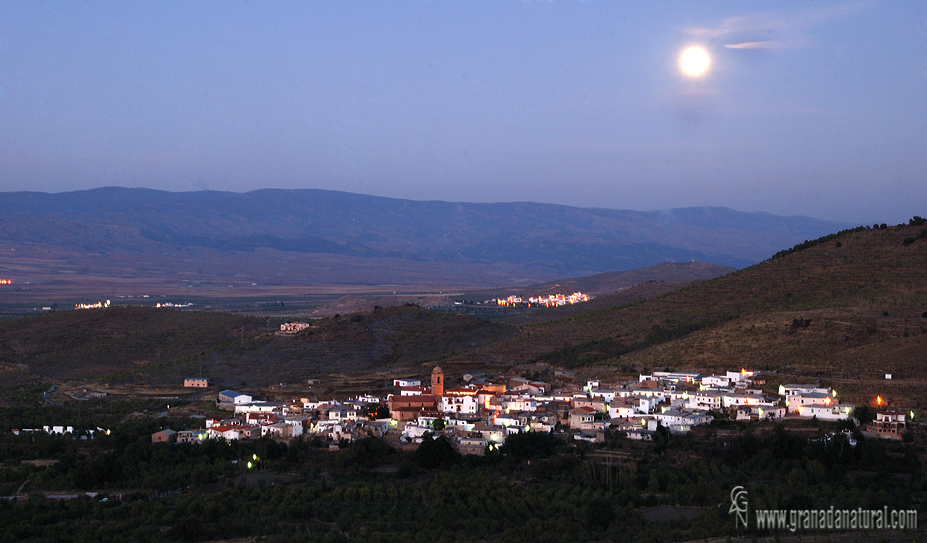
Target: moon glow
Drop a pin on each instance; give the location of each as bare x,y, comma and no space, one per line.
694,61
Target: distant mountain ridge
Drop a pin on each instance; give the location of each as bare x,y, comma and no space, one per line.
537,242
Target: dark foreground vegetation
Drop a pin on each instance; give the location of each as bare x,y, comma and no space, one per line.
537,487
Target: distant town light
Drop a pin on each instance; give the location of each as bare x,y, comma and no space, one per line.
551,300
97,305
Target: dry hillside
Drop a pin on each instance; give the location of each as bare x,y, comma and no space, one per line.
852,307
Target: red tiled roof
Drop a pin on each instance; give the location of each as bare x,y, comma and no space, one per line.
468,390
419,400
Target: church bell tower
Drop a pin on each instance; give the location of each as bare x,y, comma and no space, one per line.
437,381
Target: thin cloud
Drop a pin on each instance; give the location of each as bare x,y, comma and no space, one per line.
773,30
754,45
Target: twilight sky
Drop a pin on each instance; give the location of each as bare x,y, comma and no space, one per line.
814,108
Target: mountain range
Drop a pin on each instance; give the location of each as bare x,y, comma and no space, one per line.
286,237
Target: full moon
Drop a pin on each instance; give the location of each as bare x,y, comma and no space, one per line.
694,61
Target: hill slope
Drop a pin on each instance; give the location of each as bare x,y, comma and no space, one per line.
611,282
161,347
852,307
88,343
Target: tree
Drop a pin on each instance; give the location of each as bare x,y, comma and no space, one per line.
661,439
366,453
599,513
530,445
433,453
188,528
863,414
784,445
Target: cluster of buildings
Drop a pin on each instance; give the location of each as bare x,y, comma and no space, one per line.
62,431
482,411
96,305
294,327
551,300
252,419
812,401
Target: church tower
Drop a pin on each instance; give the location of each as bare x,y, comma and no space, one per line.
437,381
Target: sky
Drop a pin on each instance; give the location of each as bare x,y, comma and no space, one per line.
807,108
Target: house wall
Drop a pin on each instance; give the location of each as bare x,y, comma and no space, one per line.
163,437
